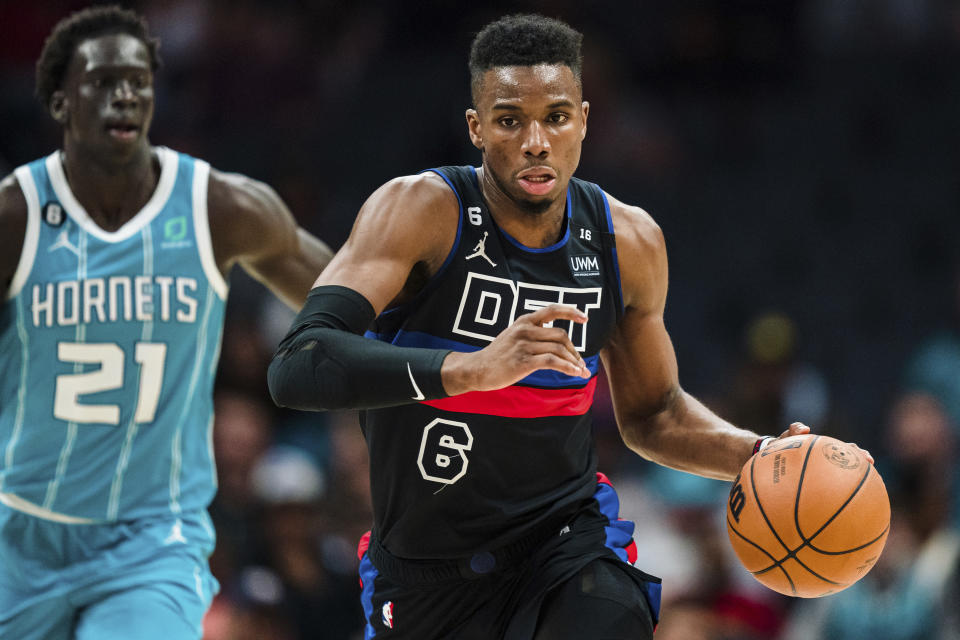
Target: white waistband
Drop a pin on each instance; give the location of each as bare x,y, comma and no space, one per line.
18,503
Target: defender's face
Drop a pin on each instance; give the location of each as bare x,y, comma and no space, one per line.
107,98
529,123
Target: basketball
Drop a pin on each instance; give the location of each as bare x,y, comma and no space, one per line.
808,516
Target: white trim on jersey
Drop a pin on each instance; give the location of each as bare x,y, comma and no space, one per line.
21,390
80,337
168,176
32,236
201,229
16,502
146,335
176,448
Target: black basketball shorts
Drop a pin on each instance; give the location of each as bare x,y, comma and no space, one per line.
566,579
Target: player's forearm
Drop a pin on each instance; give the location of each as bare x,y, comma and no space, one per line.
686,435
326,369
322,364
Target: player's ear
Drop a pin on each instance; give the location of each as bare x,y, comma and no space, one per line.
474,129
58,107
586,111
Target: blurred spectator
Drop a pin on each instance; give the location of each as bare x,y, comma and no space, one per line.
920,462
242,432
774,386
347,512
244,357
935,366
283,560
290,488
254,615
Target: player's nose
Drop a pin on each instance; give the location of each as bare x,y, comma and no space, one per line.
535,140
123,93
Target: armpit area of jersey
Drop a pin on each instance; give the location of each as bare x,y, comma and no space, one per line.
322,364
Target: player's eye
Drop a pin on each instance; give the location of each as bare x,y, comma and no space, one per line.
558,118
508,121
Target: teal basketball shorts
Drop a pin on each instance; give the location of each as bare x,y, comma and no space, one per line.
147,579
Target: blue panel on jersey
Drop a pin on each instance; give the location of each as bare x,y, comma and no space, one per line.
542,378
619,532
368,573
613,249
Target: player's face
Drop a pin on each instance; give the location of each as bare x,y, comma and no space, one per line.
529,123
106,104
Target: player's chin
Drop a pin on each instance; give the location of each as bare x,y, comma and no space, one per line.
535,205
122,149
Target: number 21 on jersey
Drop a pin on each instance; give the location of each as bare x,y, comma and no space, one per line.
151,357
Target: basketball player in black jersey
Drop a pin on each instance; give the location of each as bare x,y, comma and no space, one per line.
488,298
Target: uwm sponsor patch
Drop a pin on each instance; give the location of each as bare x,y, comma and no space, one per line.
490,304
588,265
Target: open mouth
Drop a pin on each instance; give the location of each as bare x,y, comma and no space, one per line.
536,183
122,131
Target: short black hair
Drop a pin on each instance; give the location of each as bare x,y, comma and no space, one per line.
524,39
85,24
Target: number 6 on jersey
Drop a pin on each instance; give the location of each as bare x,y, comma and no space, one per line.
442,450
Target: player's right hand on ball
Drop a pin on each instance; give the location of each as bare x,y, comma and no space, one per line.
799,429
522,348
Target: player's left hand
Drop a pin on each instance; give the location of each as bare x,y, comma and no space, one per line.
799,429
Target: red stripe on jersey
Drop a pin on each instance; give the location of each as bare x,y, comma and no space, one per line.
363,545
603,479
521,402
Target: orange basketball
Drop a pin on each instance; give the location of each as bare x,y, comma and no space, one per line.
808,516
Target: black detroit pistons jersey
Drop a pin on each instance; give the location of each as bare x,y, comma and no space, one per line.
479,470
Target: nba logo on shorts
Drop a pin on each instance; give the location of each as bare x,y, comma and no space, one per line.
387,612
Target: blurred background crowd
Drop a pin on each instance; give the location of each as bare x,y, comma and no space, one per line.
802,159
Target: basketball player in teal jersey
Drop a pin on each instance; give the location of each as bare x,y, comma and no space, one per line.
114,256
491,295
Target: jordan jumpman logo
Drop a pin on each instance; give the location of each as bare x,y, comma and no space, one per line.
479,250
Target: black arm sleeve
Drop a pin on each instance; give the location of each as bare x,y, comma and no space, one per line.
325,363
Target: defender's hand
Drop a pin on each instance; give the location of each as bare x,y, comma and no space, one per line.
522,348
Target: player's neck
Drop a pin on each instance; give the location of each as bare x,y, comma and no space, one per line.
531,229
111,191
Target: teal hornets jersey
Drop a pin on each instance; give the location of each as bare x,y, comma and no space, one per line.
108,347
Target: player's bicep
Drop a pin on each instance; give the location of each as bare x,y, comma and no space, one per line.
639,357
249,223
641,366
408,222
375,274
252,226
270,230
